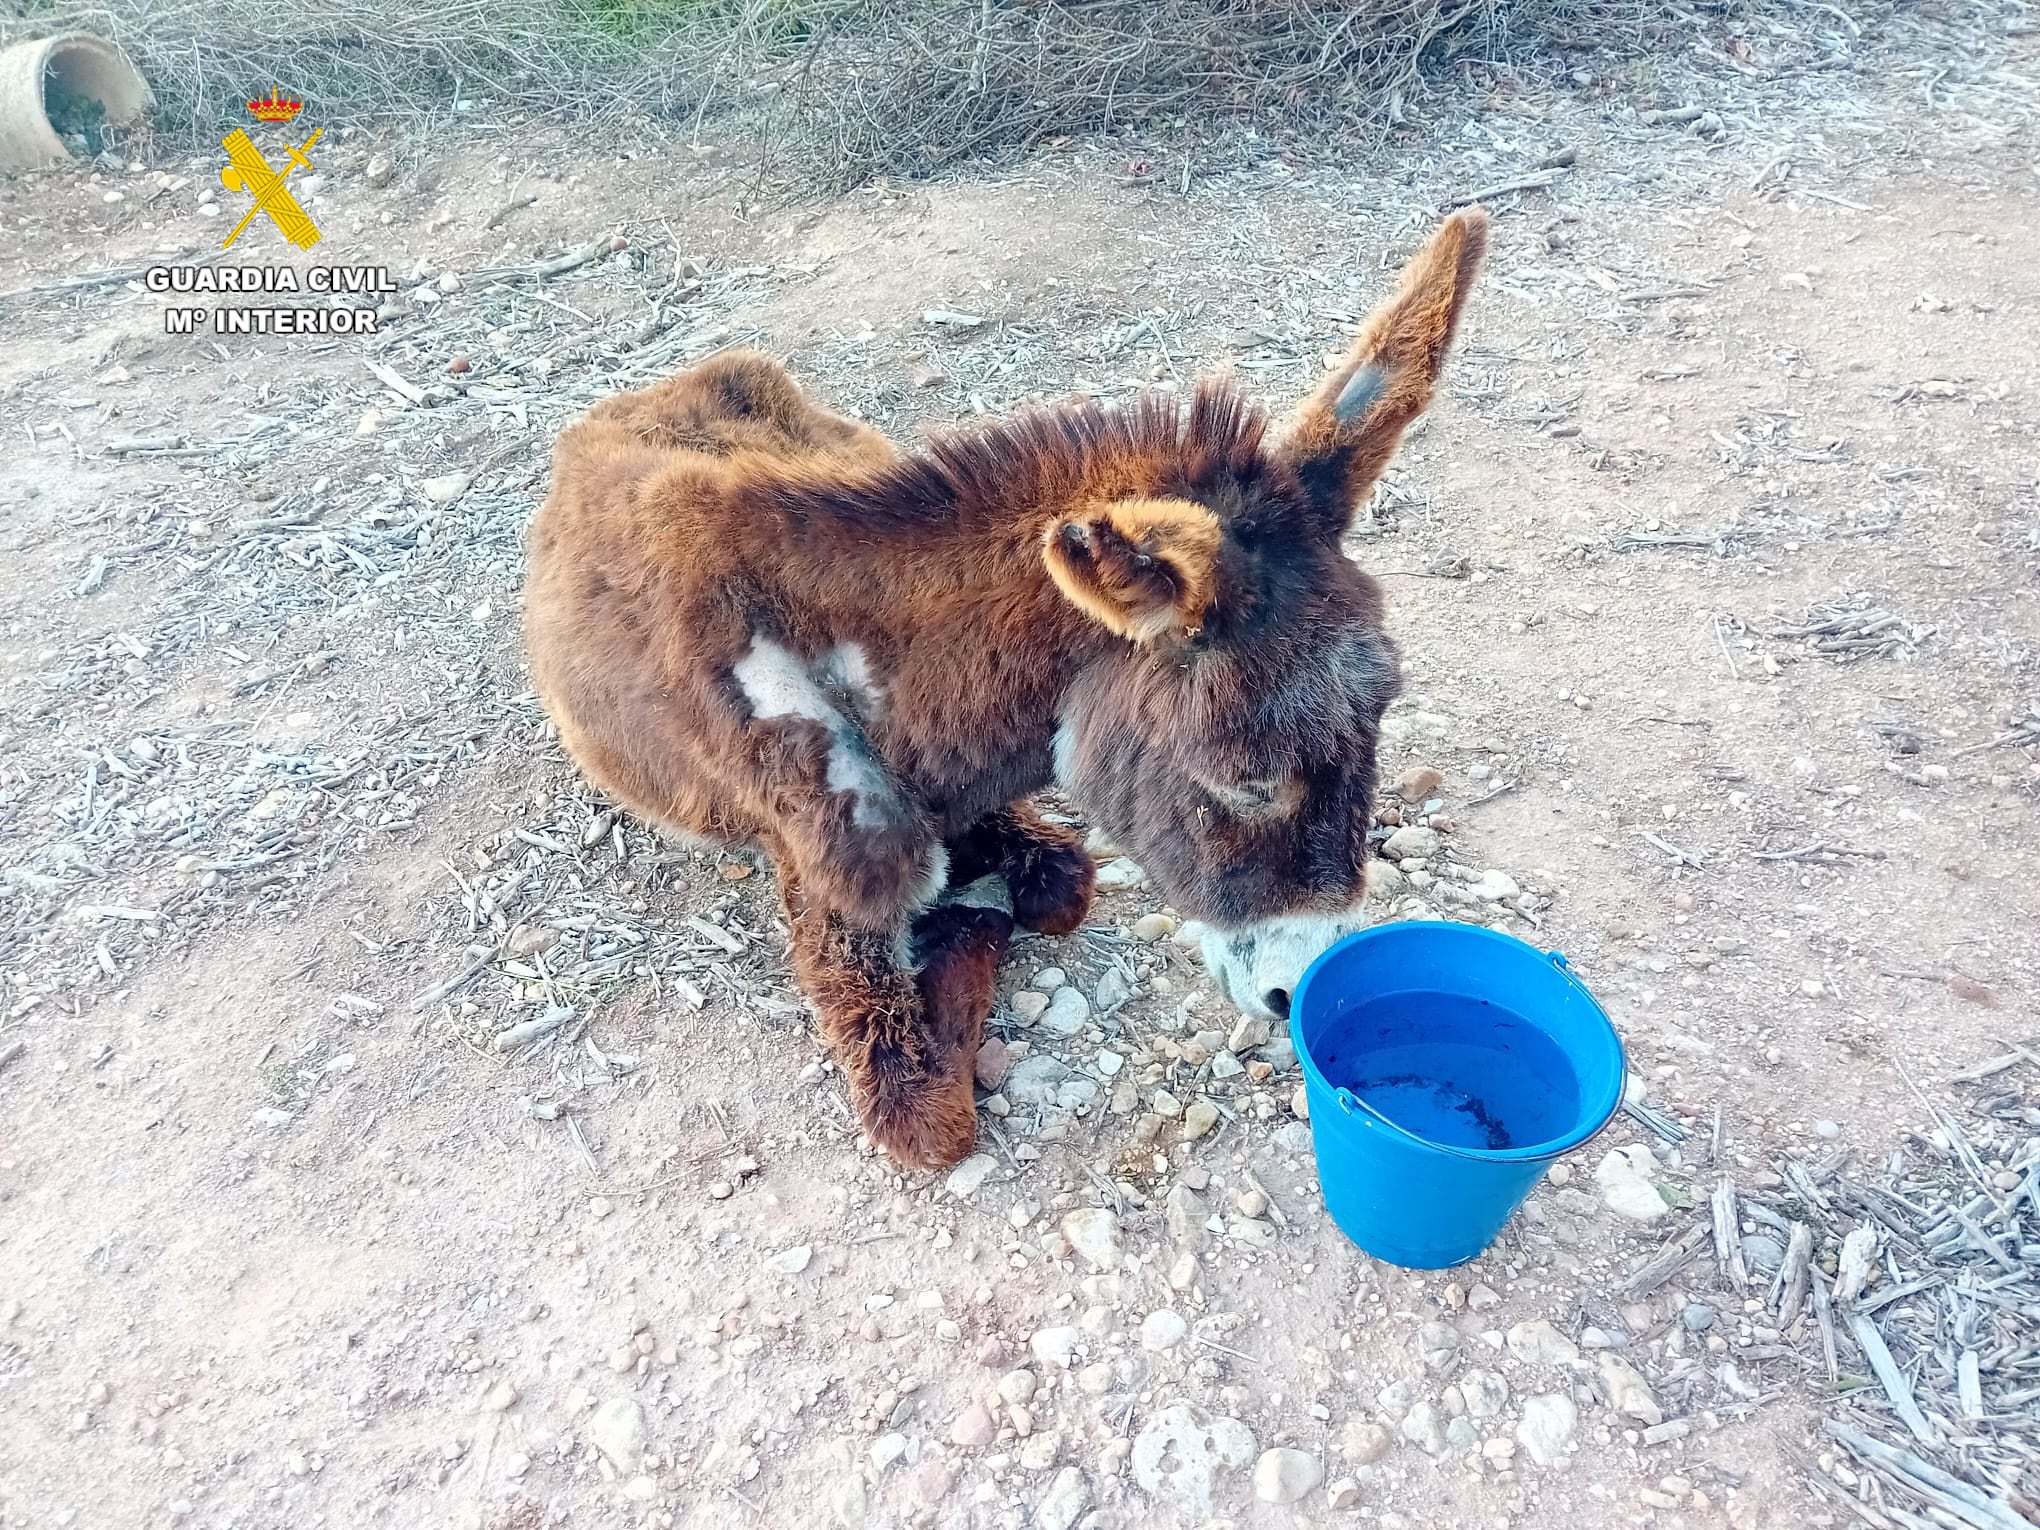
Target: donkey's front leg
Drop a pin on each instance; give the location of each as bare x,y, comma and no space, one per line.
958,945
907,1043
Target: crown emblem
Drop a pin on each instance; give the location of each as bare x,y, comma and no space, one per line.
274,108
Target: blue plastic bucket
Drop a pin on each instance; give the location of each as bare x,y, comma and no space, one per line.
1446,1066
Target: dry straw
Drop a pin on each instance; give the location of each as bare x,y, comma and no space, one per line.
838,91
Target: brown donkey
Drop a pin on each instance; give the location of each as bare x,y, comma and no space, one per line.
757,621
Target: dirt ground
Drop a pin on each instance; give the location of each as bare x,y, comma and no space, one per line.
287,1235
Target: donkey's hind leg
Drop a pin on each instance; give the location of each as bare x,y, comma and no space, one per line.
1044,863
958,945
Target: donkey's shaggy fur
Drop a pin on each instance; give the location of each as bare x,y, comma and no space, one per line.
755,620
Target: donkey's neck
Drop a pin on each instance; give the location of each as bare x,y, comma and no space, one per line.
941,589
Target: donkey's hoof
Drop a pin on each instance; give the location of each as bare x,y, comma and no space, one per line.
1051,888
927,1123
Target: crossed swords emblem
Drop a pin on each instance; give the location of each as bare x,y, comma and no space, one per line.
249,171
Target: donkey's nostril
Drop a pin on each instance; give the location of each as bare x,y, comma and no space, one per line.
1277,1000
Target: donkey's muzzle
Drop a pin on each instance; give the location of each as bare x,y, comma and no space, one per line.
1258,966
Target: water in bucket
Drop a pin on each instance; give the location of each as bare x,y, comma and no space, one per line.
1450,1069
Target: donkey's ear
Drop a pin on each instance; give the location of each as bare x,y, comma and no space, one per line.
1345,433
1140,567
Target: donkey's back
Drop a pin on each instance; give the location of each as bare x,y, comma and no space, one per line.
736,406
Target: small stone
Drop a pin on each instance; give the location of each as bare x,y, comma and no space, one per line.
1041,1448
1343,1494
1628,1186
380,172
1424,1428
1299,1103
516,1464
1112,991
1199,1117
791,1261
501,1397
1628,1393
1761,1252
992,1064
446,488
1482,1298
1494,887
1184,1214
1055,1346
1418,783
1182,1452
617,1430
1225,1065
1038,1080
886,1449
850,1504
973,1428
1829,1130
1285,1475
1484,1392
1698,1317
1438,1347
1364,1442
1017,1387
1094,1233
1162,1330
1549,1420
1151,927
966,1177
1167,1105
1065,1501
1028,1005
1413,841
1538,1343
929,1483
1049,979
1120,872
1396,1399
1067,1013
1248,1033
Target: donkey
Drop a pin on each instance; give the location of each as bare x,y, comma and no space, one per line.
756,621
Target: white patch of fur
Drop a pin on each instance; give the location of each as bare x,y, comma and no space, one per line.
848,667
934,877
1065,755
874,803
777,684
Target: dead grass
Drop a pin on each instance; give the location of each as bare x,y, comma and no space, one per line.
836,91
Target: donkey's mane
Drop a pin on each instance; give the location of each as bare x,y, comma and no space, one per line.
1043,454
